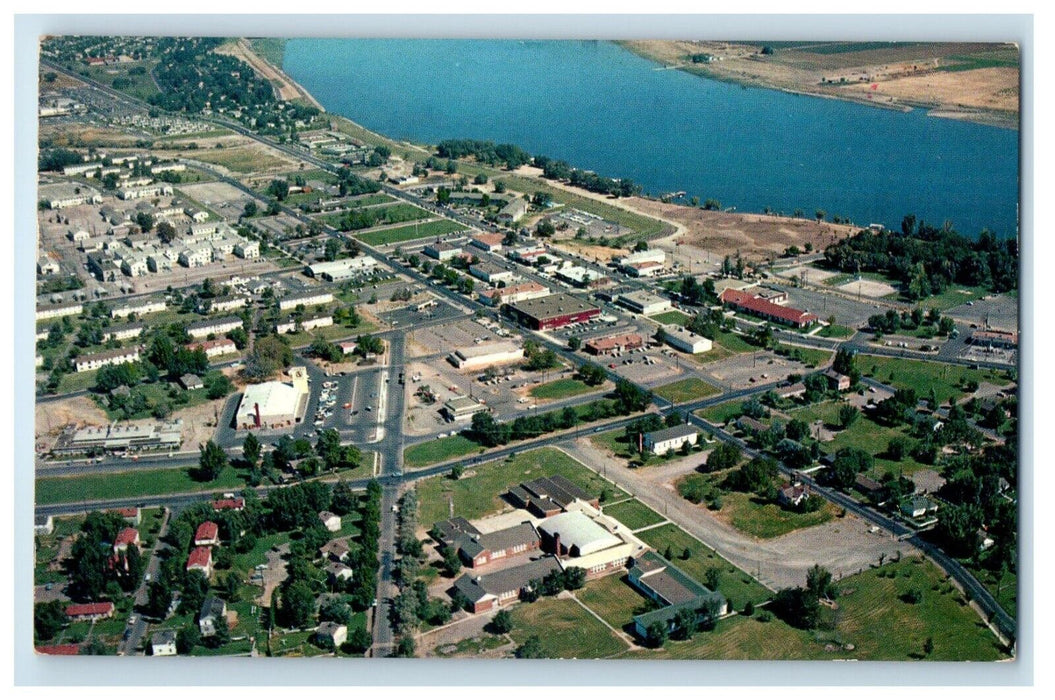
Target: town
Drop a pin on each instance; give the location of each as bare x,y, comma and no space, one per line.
303,390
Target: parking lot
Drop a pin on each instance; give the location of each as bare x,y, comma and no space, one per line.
847,312
446,337
760,367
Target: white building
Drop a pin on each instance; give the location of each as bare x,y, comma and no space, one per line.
476,357
135,265
644,303
228,303
214,348
660,442
306,299
68,194
307,324
491,273
210,326
340,270
125,332
59,310
139,308
163,643
145,192
196,256
247,250
47,266
274,404
443,251
685,340
118,356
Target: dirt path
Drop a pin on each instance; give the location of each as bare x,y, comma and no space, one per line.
843,546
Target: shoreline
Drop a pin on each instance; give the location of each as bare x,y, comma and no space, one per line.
976,115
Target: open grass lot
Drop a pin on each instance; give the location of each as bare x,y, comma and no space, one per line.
836,331
674,316
614,440
827,411
295,644
561,389
566,630
734,584
242,159
634,514
921,375
613,599
871,616
748,513
722,412
140,85
734,343
413,232
1004,590
952,297
366,200
873,438
717,352
811,357
426,453
473,646
684,390
142,482
162,392
479,495
77,381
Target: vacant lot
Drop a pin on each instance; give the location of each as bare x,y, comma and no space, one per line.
684,390
722,413
250,158
426,453
565,629
923,376
561,389
129,484
674,316
615,441
413,232
480,494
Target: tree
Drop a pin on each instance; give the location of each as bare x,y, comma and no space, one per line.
405,648
574,578
928,646
48,619
251,451
296,604
591,374
725,456
713,578
359,640
195,588
502,623
166,232
819,582
335,610
530,649
656,635
849,462
797,607
211,461
187,638
847,415
574,342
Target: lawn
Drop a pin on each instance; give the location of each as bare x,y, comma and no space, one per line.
722,412
613,599
426,453
734,584
366,200
674,316
479,495
141,482
634,514
758,518
614,440
562,389
921,375
836,331
413,232
953,297
734,342
77,381
827,411
811,357
684,390
239,159
168,393
565,629
873,438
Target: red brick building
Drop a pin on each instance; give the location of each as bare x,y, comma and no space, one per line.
553,311
757,306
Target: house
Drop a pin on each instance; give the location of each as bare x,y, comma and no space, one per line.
837,381
918,506
790,392
90,611
207,534
332,633
336,572
128,537
869,487
200,558
43,524
335,550
331,521
191,381
213,609
792,494
984,539
237,504
660,442
163,643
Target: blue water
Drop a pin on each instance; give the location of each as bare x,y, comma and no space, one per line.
602,108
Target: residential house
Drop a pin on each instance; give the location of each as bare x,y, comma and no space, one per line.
207,535
331,521
90,611
660,442
163,643
213,609
200,558
333,633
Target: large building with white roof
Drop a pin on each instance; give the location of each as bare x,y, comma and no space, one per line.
274,404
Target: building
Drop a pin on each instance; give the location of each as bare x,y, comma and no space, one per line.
478,549
869,487
664,583
792,494
611,344
117,356
139,308
207,534
491,273
582,277
330,521
685,340
442,251
131,514
337,572
306,299
214,348
790,392
513,294
213,610
59,310
660,442
124,332
127,537
274,404
586,538
341,270
90,611
200,559
553,311
58,649
645,263
145,192
43,524
213,326
191,382
549,495
335,550
756,305
644,303
196,256
527,255
332,633
918,506
461,408
67,194
46,265
119,437
995,339
476,357
163,643
227,304
247,250
489,591
837,381
228,503
491,242
514,211
292,325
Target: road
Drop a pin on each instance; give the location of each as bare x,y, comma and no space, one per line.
136,628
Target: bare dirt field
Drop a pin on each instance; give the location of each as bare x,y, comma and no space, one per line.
868,288
753,235
811,274
738,372
51,416
599,253
62,134
985,88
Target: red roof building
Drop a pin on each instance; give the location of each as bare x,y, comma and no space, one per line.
59,649
200,558
757,306
229,504
90,611
207,534
125,537
614,343
130,514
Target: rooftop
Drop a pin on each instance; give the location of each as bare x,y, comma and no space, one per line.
552,306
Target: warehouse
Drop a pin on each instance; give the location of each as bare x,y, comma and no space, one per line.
340,270
513,294
685,340
274,404
443,251
582,277
553,311
484,355
491,273
644,303
461,408
995,339
645,263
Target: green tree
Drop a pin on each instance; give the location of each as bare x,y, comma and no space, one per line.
502,622
251,451
187,638
656,635
211,461
819,582
848,415
530,649
296,604
48,619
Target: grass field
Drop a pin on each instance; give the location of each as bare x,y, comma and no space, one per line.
634,514
143,482
478,495
141,85
614,440
270,49
366,200
77,381
566,630
410,233
836,331
473,646
873,438
811,357
734,342
722,412
426,453
239,159
684,390
953,297
752,515
673,316
561,389
733,583
613,599
1005,591
921,375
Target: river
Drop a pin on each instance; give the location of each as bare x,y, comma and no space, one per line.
605,109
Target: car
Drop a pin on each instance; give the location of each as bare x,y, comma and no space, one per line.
369,408
347,405
132,619
147,578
